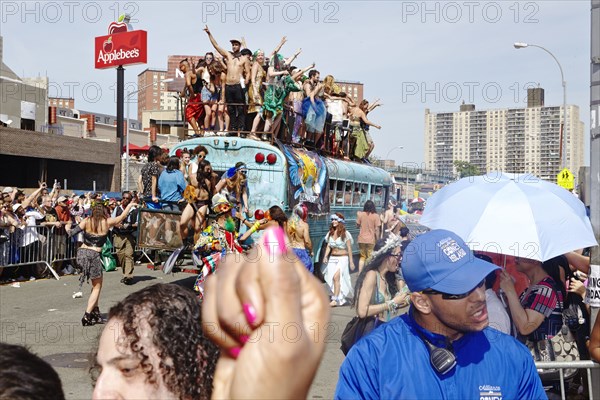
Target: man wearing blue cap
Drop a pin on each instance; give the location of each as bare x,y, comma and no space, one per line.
442,348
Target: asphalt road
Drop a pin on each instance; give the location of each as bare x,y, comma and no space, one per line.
43,316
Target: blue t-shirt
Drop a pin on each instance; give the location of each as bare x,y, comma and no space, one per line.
392,362
171,185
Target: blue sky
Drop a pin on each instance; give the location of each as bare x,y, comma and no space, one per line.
411,54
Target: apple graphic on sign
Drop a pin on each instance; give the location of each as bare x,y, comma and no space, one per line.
122,25
107,46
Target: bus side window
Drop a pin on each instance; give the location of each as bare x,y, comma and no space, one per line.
378,196
339,193
331,191
356,195
348,194
364,193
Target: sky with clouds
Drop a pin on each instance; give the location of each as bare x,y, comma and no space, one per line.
412,55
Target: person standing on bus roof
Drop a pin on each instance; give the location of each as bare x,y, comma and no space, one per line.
238,74
192,90
336,273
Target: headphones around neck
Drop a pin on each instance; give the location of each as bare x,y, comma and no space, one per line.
443,360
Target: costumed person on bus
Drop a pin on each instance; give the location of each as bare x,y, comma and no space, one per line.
337,260
234,186
198,200
313,107
192,91
218,239
95,230
299,235
362,141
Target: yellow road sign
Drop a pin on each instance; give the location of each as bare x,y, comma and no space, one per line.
566,179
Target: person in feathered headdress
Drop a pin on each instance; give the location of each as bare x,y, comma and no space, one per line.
218,239
376,291
234,186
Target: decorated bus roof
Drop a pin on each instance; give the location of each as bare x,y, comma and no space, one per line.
356,172
242,149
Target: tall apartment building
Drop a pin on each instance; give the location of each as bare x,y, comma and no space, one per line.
152,87
521,140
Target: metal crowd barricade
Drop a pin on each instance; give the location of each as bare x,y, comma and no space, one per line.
62,247
30,245
562,365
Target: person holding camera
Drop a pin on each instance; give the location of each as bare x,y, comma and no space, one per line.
124,237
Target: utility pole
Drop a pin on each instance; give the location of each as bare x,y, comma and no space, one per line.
595,155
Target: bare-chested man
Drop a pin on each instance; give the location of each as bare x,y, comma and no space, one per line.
192,90
238,72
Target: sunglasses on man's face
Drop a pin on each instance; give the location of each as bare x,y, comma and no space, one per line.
447,296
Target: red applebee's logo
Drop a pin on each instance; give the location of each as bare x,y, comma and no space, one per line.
107,46
122,25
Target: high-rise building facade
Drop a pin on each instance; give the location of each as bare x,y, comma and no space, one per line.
150,81
521,140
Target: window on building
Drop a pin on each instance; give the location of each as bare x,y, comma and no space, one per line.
107,120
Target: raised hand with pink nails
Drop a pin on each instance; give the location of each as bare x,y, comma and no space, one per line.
268,315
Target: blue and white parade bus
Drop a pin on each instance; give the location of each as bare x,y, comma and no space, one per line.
285,175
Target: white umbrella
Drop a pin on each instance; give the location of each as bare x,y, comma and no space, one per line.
513,214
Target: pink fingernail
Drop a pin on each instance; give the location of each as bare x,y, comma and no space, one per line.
274,241
244,339
235,352
249,312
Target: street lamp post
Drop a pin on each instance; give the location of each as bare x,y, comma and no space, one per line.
563,135
127,131
405,170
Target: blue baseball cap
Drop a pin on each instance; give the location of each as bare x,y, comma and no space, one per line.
440,260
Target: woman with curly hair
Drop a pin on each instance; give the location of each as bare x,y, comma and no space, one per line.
95,230
153,347
336,272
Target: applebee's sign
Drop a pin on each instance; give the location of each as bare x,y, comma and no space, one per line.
121,48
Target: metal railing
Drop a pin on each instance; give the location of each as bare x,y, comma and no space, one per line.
30,245
561,366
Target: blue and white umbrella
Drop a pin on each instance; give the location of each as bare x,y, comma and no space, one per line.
512,214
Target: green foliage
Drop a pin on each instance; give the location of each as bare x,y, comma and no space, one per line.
464,169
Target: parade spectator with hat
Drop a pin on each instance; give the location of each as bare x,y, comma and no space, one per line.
443,347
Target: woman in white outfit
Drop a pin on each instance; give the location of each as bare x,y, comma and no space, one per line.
338,257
